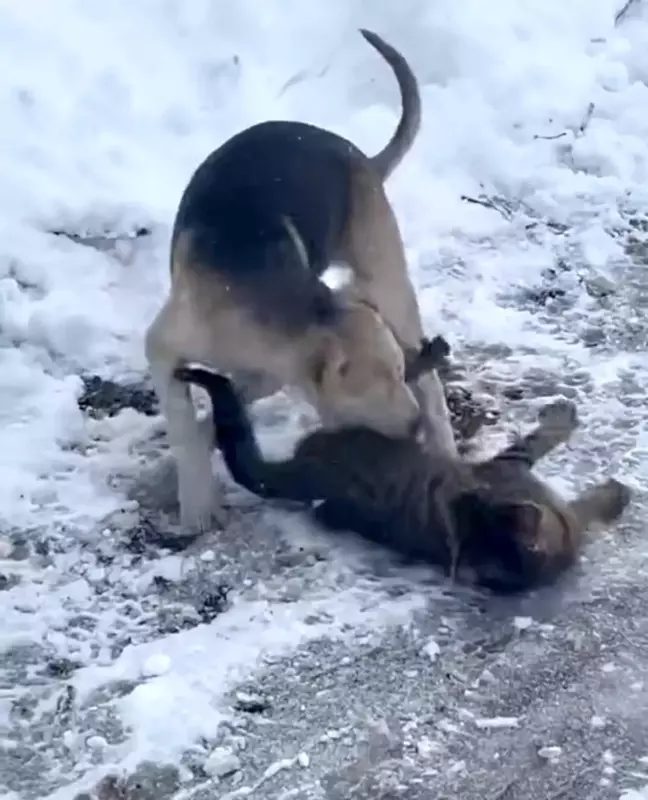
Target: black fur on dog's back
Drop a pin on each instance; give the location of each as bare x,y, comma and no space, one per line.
238,207
269,209
494,520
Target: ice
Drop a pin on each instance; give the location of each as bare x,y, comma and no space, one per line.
108,108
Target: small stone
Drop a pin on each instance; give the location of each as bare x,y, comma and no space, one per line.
291,590
238,742
251,703
96,743
303,759
497,723
208,556
550,752
597,722
432,650
221,763
592,336
522,623
69,739
426,747
599,286
157,664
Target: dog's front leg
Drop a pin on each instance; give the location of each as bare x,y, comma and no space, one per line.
199,495
431,397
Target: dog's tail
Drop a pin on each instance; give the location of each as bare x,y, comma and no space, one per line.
390,157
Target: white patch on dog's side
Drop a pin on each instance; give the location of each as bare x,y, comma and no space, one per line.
337,277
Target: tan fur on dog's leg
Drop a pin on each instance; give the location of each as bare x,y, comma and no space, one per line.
431,396
199,495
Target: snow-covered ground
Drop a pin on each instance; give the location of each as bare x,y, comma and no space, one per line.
536,109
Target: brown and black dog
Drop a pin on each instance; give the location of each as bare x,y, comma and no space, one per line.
259,223
495,522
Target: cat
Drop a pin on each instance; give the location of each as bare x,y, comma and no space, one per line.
493,523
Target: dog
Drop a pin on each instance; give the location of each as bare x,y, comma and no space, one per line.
259,223
494,523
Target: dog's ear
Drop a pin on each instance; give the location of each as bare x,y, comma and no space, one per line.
428,357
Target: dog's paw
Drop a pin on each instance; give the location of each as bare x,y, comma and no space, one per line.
195,523
561,414
201,509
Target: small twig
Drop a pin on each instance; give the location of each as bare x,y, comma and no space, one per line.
550,138
622,13
501,794
486,202
586,120
618,18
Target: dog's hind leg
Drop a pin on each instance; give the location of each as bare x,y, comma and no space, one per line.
198,494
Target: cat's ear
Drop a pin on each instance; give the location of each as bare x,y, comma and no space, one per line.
525,518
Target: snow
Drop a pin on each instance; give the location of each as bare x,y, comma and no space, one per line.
634,794
107,109
203,665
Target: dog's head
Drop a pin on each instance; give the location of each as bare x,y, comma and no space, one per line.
357,376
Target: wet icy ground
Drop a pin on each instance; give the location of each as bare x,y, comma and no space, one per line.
290,664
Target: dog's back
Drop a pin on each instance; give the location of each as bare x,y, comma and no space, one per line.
266,211
269,209
242,193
